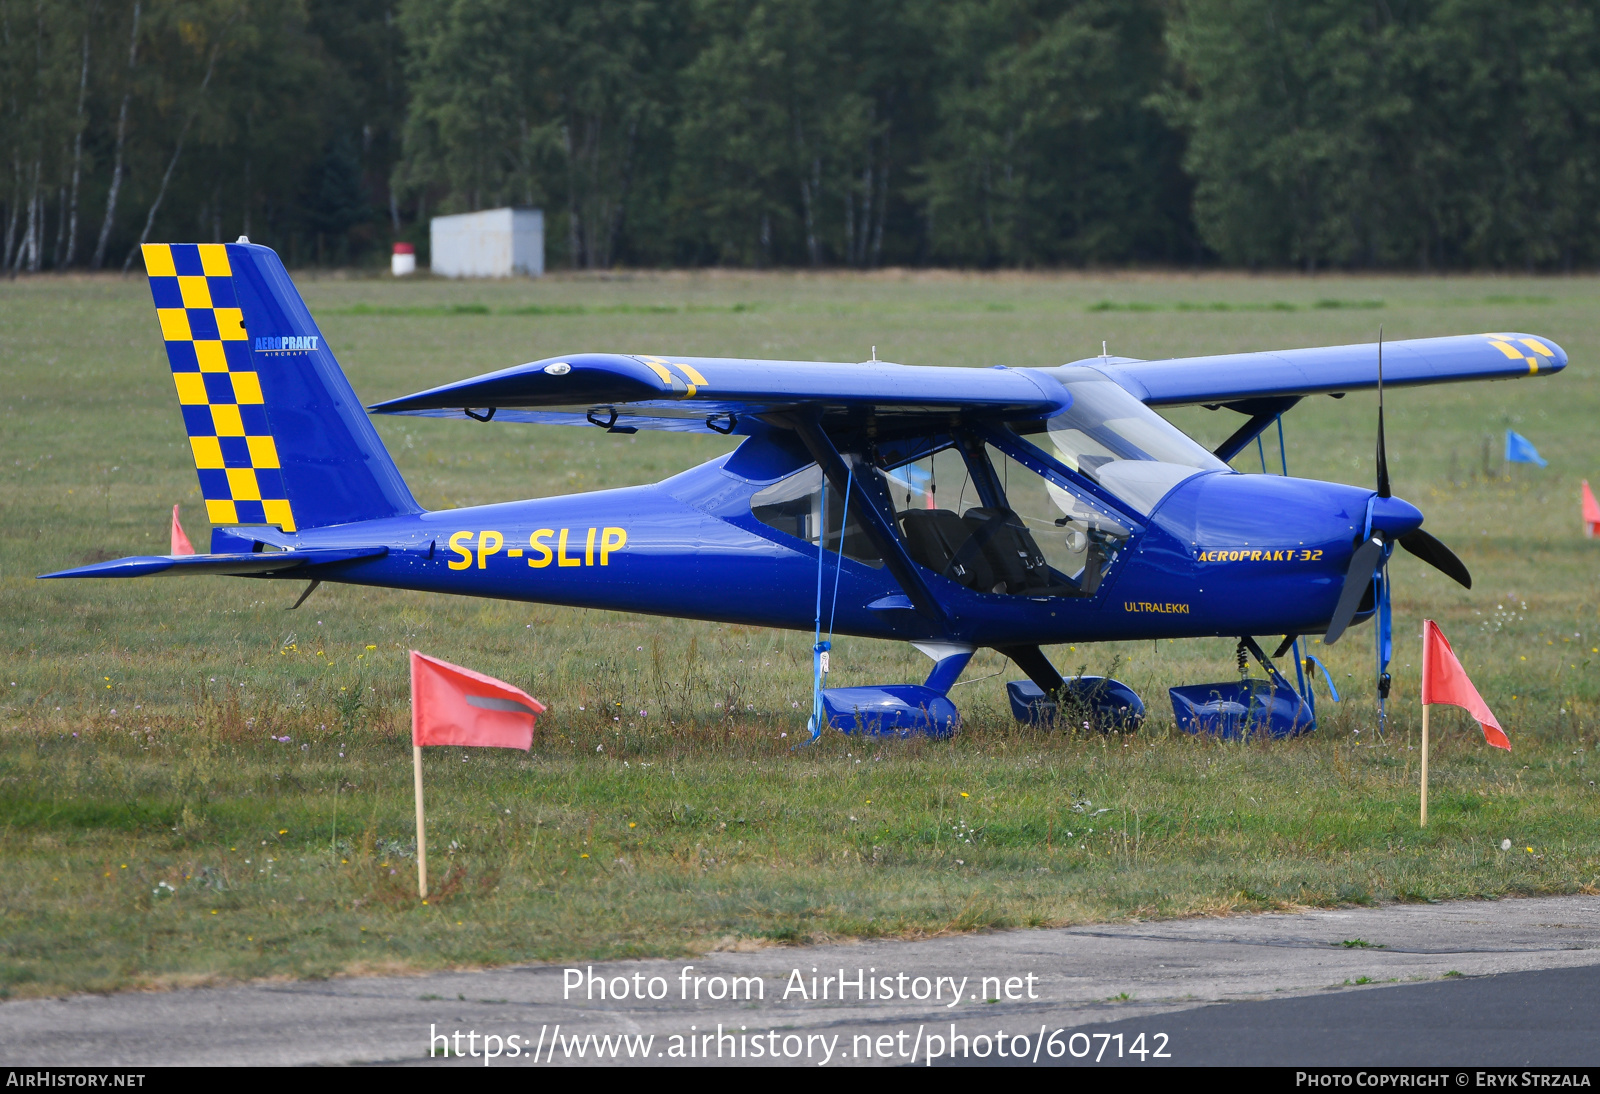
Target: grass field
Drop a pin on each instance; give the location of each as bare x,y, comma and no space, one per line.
196,784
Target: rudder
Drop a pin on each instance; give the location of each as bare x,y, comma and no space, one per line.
277,434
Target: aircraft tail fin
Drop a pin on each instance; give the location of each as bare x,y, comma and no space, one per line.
277,433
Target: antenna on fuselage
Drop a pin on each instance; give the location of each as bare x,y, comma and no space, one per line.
1103,353
874,354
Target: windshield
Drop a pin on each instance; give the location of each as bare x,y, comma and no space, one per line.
1109,436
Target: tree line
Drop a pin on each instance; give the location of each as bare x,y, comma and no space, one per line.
831,133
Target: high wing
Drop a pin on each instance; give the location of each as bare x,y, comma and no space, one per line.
624,392
1234,377
711,394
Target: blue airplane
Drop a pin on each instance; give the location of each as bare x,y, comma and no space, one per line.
952,508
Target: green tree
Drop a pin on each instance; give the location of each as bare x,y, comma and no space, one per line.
1047,148
1353,132
366,92
795,116
514,102
126,121
41,51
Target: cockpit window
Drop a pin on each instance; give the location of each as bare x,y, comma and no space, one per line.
794,506
1112,438
991,524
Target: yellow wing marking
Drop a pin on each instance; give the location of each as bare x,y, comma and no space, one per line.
655,366
688,383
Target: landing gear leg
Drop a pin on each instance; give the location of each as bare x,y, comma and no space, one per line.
1031,660
1105,703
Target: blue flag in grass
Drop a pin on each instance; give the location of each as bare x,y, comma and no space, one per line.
1520,450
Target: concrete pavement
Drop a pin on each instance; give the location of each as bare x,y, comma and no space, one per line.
1133,974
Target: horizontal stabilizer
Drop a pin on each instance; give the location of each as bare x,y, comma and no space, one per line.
253,564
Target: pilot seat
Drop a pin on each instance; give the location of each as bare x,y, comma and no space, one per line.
987,550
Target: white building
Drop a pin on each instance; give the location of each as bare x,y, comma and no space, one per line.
491,243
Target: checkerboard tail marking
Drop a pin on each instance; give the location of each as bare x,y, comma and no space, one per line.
219,391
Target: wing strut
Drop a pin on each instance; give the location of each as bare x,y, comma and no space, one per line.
816,440
1262,412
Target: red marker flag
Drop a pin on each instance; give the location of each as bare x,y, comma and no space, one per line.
1445,681
451,705
181,544
1591,512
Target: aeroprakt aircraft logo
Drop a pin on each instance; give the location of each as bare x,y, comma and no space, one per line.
272,343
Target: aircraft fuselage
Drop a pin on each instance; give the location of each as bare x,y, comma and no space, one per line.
1223,554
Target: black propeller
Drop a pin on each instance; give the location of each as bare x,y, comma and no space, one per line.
1363,564
1369,557
1437,555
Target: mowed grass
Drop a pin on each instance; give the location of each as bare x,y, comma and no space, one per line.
196,784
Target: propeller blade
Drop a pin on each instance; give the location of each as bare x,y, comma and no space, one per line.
1363,564
1437,555
1383,455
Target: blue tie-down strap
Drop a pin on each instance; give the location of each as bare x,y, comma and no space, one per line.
1242,708
819,672
1327,677
892,710
1098,702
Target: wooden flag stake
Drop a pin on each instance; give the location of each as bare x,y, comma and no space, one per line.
1425,765
1425,684
448,707
422,836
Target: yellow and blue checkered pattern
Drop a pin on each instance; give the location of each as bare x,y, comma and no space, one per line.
1523,349
218,388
